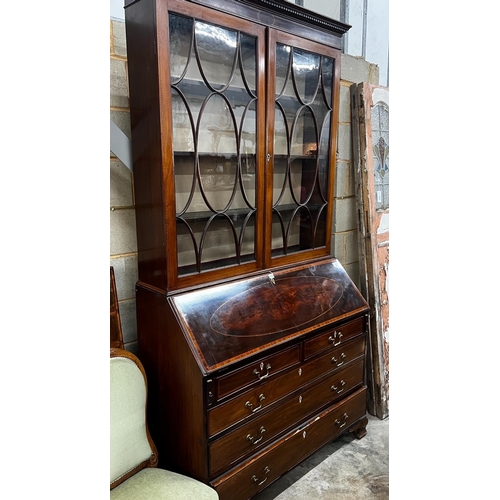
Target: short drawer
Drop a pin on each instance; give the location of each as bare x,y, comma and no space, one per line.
261,430
258,472
334,359
333,338
263,369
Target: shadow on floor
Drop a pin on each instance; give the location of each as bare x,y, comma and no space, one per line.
346,469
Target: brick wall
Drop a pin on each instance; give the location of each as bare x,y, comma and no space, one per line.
123,244
345,225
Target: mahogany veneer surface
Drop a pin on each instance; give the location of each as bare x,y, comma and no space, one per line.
255,356
228,322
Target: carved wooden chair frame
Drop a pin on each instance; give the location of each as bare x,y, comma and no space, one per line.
117,351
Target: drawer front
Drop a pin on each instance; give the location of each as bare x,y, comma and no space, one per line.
334,359
252,402
266,368
333,338
265,428
258,472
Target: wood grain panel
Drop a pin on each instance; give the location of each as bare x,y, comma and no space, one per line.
263,369
177,421
261,398
226,450
263,469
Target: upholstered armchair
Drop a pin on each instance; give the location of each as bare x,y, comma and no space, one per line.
133,465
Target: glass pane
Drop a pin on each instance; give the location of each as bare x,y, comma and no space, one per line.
218,241
188,237
281,191
280,133
217,49
183,127
319,107
249,62
248,151
302,165
380,142
247,235
283,53
303,155
324,159
320,230
327,78
278,235
300,231
180,37
217,152
184,163
280,159
306,74
214,123
185,182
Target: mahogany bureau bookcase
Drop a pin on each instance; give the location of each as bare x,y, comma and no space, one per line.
252,335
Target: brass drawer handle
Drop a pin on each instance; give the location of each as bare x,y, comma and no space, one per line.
346,416
333,339
252,439
258,372
342,357
250,405
255,479
333,388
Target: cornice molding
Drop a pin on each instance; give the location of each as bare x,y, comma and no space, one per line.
300,13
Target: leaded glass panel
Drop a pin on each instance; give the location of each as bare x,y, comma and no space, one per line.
301,174
213,80
380,143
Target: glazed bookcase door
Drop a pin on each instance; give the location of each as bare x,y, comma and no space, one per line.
217,97
302,108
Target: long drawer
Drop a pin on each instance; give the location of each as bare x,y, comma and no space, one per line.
258,472
265,394
250,437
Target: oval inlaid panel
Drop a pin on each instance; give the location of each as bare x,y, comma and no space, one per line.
267,309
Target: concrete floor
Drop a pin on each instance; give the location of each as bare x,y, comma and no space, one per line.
346,469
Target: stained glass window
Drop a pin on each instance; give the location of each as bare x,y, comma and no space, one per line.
380,144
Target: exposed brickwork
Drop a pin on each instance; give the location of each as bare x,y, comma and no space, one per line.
345,227
123,242
356,70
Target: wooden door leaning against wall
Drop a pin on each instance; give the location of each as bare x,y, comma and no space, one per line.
370,126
